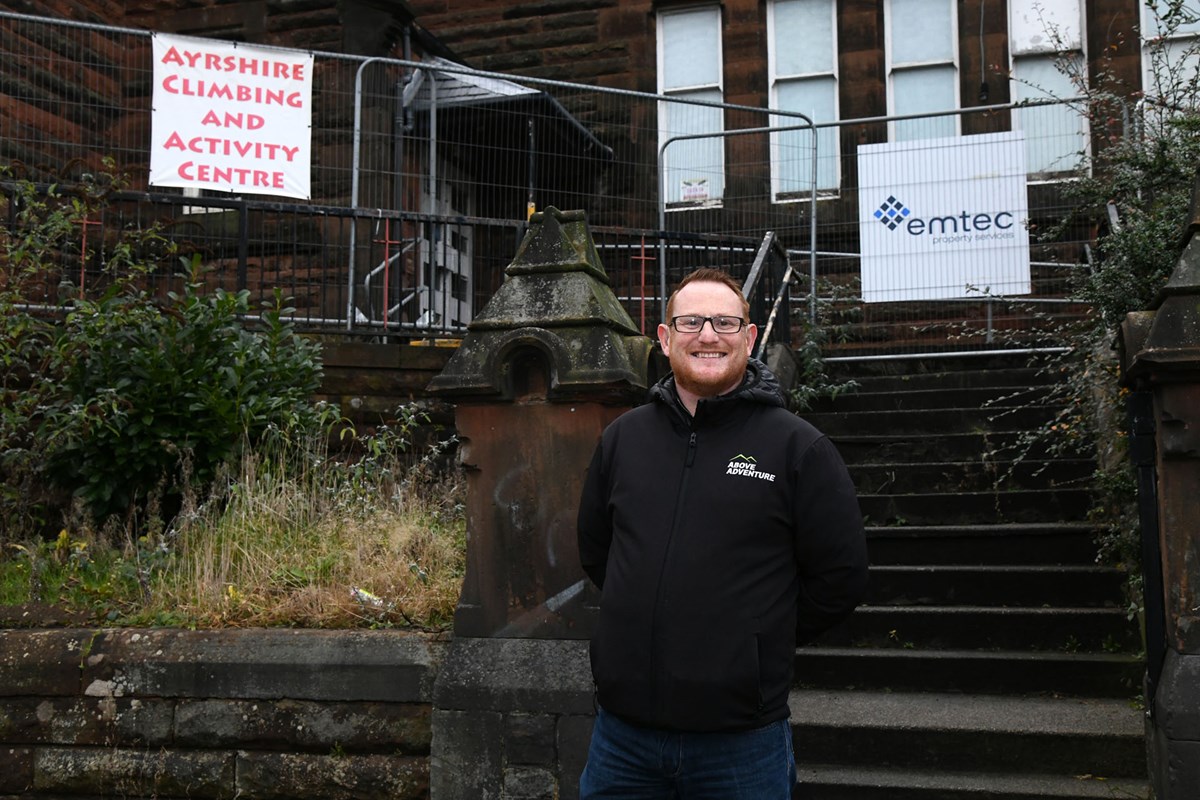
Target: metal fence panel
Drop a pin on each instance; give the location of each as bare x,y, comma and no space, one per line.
985,320
424,174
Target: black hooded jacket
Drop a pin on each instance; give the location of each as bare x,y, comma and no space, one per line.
719,543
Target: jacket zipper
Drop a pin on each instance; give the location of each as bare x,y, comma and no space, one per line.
660,599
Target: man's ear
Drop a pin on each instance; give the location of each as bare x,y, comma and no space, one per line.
664,338
751,335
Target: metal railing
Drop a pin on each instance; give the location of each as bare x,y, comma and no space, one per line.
424,174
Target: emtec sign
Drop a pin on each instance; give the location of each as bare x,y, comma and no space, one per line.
966,227
959,230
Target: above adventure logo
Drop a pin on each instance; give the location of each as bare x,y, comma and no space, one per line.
747,466
963,227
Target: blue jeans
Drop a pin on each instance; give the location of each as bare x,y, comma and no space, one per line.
634,763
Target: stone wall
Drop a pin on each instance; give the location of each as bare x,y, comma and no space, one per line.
368,381
512,719
252,714
598,42
1160,360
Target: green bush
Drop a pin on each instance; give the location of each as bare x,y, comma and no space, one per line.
128,401
155,399
40,237
1134,189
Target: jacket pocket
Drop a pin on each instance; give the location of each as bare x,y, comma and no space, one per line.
715,682
620,669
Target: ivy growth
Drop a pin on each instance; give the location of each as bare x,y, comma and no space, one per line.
814,382
1134,187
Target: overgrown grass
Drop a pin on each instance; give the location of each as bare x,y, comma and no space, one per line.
292,537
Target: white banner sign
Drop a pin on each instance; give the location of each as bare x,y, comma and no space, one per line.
231,117
943,218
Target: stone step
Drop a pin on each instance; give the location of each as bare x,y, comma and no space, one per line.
1008,585
957,393
986,627
978,474
1012,544
858,447
931,420
877,377
993,658
959,508
945,733
929,330
917,368
971,671
824,782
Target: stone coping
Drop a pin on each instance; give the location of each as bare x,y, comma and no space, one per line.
246,663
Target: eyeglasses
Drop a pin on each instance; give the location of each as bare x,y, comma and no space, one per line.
694,324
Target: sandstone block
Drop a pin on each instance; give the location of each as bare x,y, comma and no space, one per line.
292,776
391,666
45,663
529,739
105,721
107,771
529,783
17,775
304,725
574,738
467,755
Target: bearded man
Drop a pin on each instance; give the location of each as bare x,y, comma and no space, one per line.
722,531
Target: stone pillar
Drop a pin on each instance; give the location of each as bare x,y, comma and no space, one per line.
1161,355
547,364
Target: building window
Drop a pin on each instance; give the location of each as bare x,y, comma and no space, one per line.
1046,47
802,53
689,69
922,62
1171,55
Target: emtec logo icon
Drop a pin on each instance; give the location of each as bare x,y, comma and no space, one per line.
891,213
963,227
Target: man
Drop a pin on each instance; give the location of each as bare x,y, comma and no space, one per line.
722,530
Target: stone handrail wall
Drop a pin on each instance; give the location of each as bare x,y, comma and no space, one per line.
254,714
1160,360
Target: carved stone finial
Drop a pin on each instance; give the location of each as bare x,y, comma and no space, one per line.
1167,343
556,304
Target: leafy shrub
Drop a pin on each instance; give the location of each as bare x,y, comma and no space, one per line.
128,400
40,237
814,383
155,398
1136,187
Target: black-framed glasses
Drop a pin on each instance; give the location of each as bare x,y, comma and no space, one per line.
691,323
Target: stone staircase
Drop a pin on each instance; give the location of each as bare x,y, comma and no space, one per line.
992,657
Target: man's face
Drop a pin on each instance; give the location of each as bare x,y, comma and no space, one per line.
707,363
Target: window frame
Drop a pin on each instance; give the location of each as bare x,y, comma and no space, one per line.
690,92
775,80
1150,33
1045,50
891,68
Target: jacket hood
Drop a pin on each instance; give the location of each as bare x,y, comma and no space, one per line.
759,386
